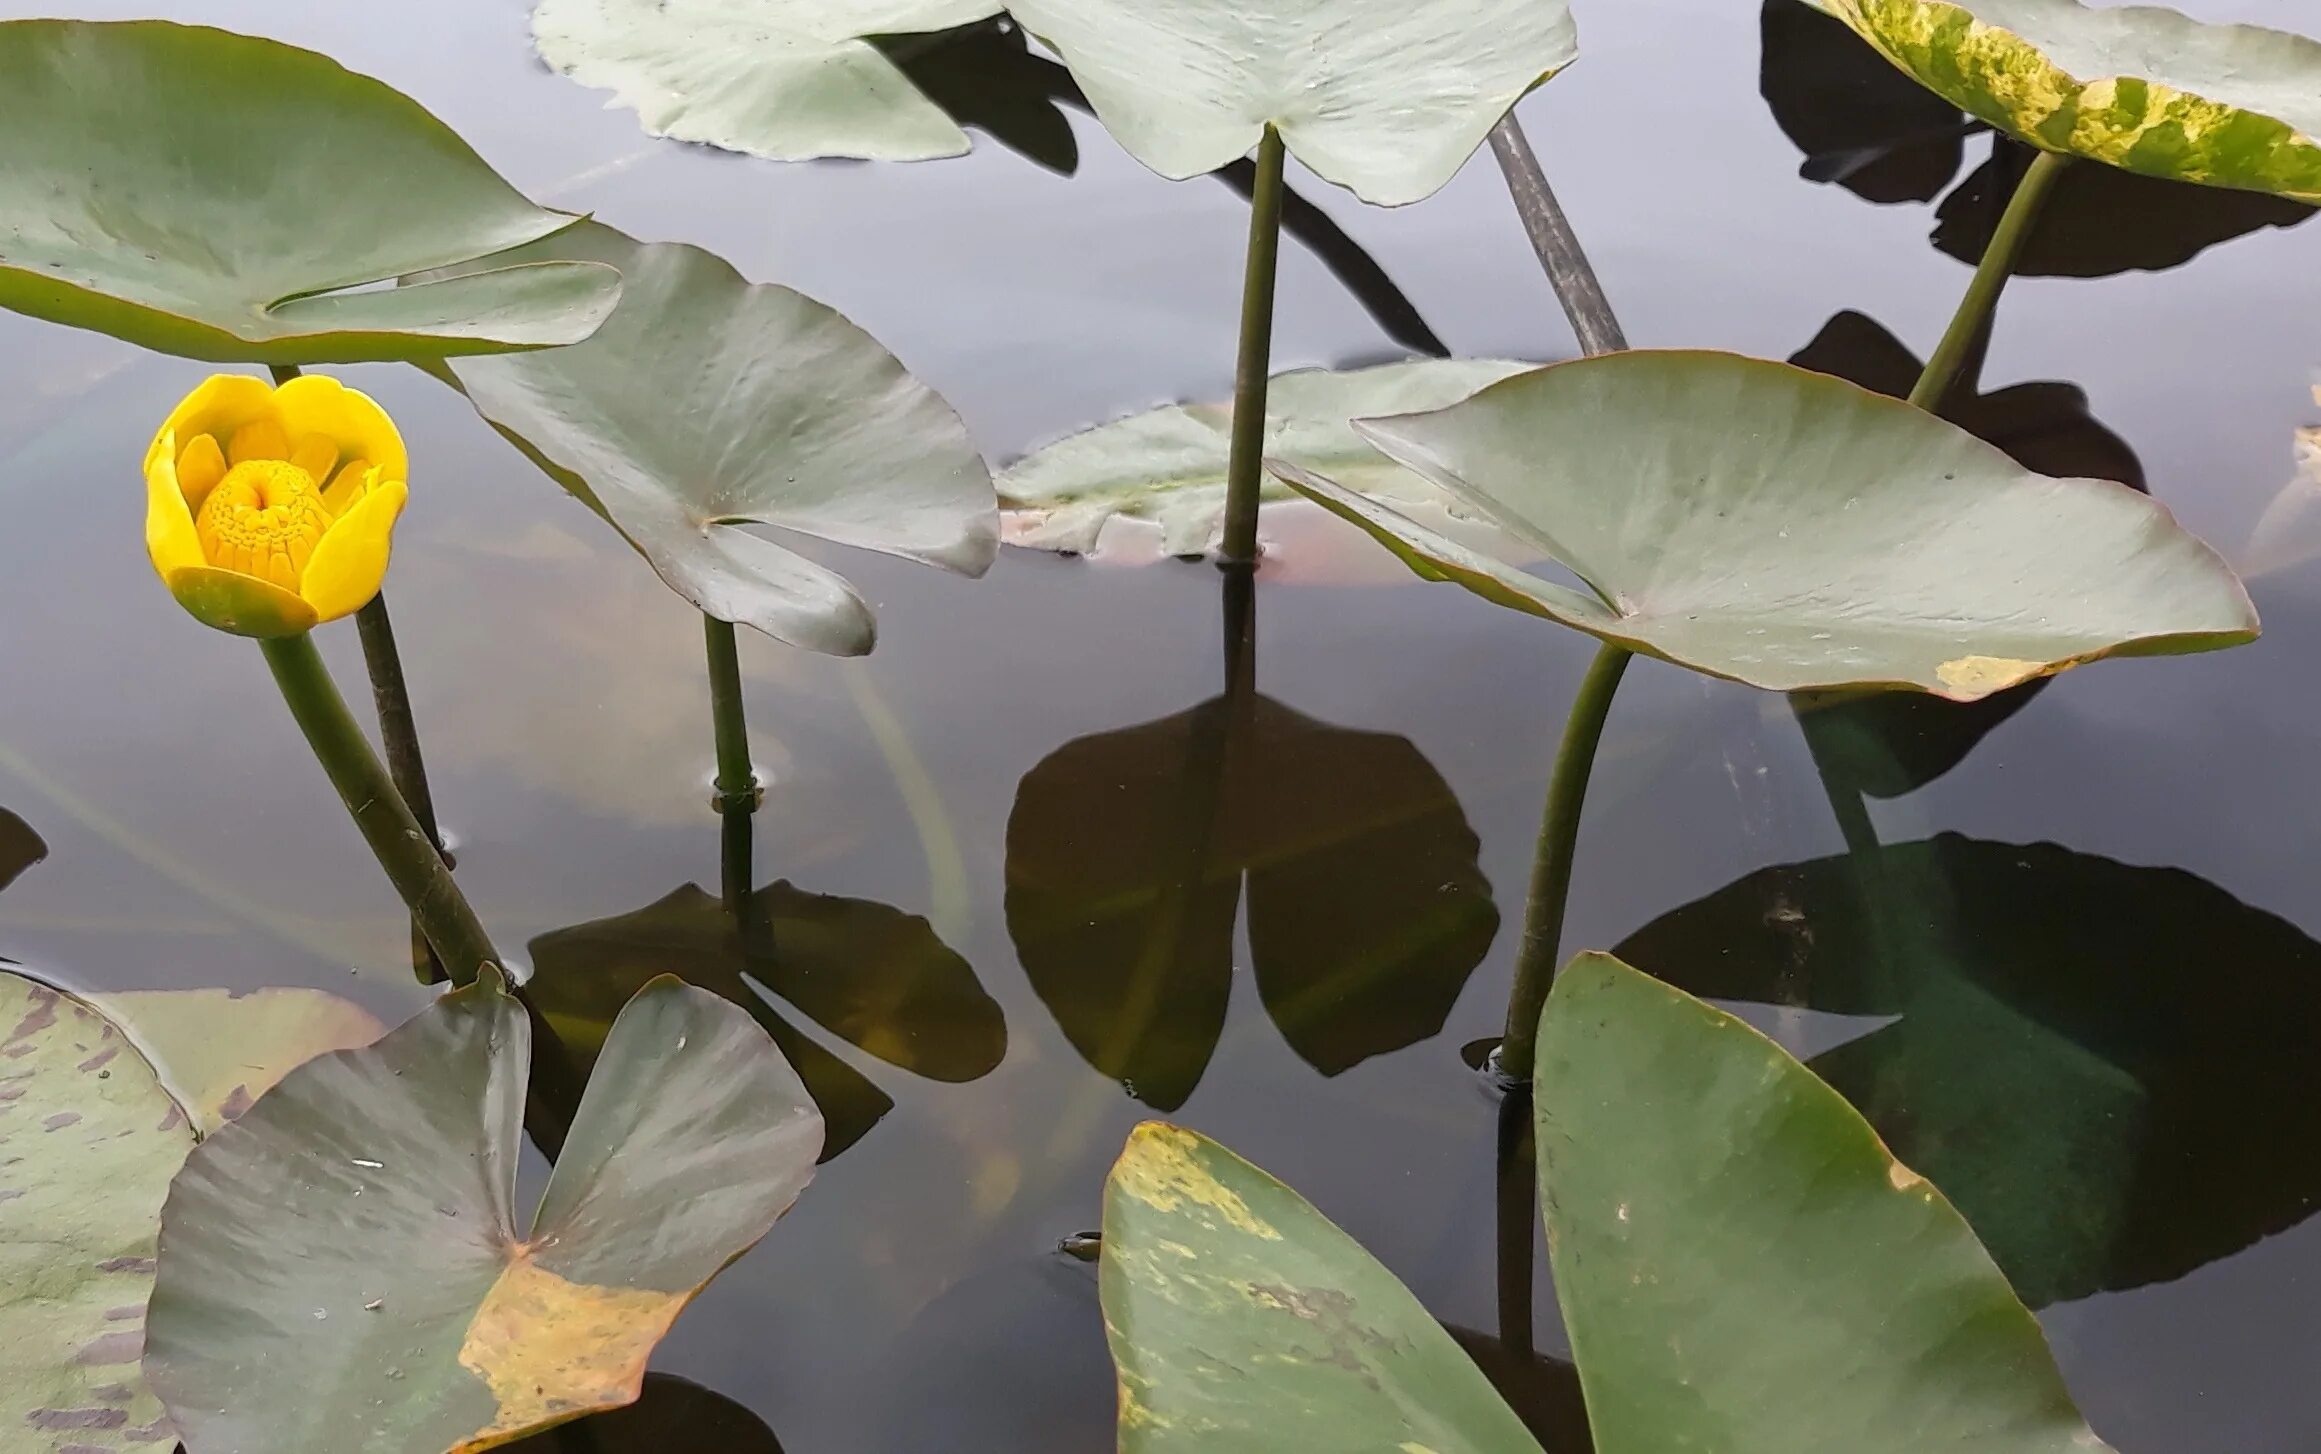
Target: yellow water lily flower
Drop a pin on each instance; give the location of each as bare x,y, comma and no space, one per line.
269,511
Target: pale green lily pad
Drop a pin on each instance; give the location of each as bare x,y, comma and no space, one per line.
343,1268
1166,469
2140,87
1385,97
88,1142
1778,527
219,1050
1742,1266
209,194
1243,1322
787,80
707,404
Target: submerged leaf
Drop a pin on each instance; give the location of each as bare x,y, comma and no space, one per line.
1243,1322
1167,467
344,1268
215,195
1792,531
2139,87
88,1142
1126,855
2049,1037
1742,1266
708,404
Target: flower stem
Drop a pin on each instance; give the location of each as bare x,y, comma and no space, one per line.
1551,868
738,795
1560,254
1990,279
398,729
400,844
1245,466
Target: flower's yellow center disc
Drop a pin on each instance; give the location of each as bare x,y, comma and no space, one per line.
263,519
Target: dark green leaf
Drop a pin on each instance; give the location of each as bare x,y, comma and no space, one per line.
213,195
1741,1264
344,1268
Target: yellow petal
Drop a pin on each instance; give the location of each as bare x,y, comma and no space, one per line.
222,404
317,454
349,487
238,603
317,404
351,563
259,439
169,534
200,465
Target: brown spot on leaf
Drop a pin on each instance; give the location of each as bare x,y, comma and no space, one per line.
111,1350
237,1101
38,1018
99,1060
126,1264
549,1349
61,1120
1902,1177
78,1419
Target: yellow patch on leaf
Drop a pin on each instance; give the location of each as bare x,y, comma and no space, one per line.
551,1350
1160,1169
1971,677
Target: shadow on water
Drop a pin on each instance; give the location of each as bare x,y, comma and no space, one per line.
674,1416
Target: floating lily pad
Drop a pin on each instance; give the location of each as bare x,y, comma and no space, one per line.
784,79
343,1267
1126,856
1742,1266
1167,467
88,1142
872,975
219,1050
2140,87
1243,1322
1387,99
1756,521
2048,1037
708,404
215,195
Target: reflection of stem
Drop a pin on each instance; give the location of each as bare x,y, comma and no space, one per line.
1246,466
401,846
1990,278
1518,1183
398,729
737,782
1558,246
1551,868
950,907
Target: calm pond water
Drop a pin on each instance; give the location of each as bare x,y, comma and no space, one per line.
2101,1049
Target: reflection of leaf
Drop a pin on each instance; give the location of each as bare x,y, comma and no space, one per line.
1543,1391
1743,1267
343,1268
1788,530
674,1416
134,204
2106,1112
1243,1322
20,847
871,974
88,1142
985,76
1869,127
707,404
2288,533
1126,853
1891,743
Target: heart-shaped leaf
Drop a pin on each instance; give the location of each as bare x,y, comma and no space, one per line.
88,1142
871,974
343,1267
1742,1266
1386,97
1167,467
1126,855
2139,87
214,195
1756,521
1243,1322
2049,1038
707,404
784,79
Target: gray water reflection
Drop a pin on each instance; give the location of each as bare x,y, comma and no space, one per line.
910,1294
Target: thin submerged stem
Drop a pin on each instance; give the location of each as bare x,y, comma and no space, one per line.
398,729
1990,279
1551,868
418,872
1246,467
